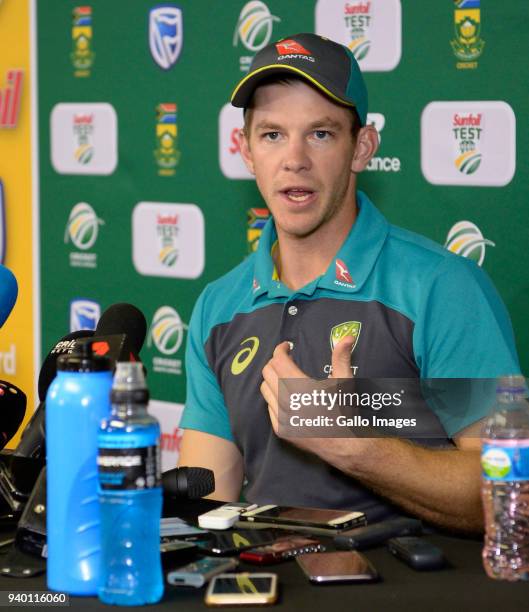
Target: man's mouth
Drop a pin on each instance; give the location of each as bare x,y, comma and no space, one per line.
298,194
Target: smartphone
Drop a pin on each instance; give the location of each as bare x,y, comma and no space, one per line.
340,566
373,535
242,589
310,518
286,547
417,553
198,573
177,552
234,541
176,527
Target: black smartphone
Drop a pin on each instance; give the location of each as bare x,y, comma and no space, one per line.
234,541
339,566
372,535
417,553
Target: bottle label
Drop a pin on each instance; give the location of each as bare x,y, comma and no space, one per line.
505,459
125,469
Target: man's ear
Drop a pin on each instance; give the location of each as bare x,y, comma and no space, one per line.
246,154
366,147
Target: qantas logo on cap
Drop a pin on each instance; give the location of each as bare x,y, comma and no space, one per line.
286,47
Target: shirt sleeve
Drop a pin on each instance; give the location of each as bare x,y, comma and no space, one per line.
205,409
463,332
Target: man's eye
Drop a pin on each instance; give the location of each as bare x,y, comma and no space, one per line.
321,134
271,136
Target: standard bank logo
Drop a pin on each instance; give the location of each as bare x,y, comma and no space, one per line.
231,121
468,143
253,29
466,239
168,239
166,34
370,28
84,314
84,138
167,330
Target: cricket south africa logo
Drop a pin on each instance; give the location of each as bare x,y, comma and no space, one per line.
166,153
254,29
166,34
82,55
348,328
167,230
467,130
167,330
466,239
83,129
83,226
467,44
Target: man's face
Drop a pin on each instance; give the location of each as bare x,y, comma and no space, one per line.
300,148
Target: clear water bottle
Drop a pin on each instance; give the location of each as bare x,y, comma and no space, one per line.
505,488
130,494
77,400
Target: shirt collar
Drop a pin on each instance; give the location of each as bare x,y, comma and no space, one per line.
347,272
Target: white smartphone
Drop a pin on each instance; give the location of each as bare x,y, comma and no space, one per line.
224,516
242,589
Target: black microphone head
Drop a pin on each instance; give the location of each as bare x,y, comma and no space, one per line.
65,346
189,482
12,411
123,319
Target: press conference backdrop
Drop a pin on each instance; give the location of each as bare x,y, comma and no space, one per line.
17,247
144,198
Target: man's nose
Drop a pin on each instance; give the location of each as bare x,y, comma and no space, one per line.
296,155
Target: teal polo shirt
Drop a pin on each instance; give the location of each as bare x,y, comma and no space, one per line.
416,310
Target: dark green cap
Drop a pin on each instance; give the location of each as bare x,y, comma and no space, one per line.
329,66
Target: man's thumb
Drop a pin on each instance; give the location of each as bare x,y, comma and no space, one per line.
341,358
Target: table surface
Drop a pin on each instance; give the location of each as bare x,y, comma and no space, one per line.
461,586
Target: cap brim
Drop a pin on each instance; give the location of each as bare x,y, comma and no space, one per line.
242,94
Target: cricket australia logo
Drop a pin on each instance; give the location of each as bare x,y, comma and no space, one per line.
83,129
166,34
348,328
358,19
467,45
167,230
467,130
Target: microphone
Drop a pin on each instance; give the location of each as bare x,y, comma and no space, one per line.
32,441
188,482
8,293
12,411
120,333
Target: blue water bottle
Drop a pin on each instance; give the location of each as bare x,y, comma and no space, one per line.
77,400
130,494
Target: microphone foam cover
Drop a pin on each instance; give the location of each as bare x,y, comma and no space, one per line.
125,319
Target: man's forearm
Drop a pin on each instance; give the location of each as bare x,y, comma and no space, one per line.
440,486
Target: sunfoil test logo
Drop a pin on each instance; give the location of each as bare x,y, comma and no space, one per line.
467,44
245,356
370,28
167,230
166,34
254,29
166,153
467,131
468,143
82,55
82,229
167,334
466,239
83,129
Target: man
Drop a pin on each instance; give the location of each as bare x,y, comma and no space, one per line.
329,261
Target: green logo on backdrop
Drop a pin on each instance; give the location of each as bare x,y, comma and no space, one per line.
468,44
